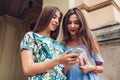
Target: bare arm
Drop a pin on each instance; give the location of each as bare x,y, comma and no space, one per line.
98,67
31,68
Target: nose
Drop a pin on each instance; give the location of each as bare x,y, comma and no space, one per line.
72,25
57,20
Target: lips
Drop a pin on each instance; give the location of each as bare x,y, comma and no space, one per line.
72,30
54,26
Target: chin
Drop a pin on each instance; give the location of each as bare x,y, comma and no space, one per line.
53,29
72,34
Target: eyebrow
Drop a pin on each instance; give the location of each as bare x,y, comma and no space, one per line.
74,20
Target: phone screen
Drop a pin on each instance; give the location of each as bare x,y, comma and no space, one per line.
79,50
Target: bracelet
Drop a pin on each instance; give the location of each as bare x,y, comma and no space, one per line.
95,69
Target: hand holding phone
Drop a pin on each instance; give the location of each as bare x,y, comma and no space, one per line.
79,50
81,56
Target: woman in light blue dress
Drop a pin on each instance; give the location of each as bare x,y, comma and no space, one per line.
76,34
42,56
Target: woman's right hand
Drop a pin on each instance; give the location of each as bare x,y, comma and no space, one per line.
68,59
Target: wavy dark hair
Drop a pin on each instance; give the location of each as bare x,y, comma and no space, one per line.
84,32
44,20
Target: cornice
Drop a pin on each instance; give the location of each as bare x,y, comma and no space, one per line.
99,6
107,33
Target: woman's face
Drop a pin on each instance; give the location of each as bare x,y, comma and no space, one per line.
73,25
54,23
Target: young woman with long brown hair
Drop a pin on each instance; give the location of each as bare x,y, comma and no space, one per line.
76,34
41,54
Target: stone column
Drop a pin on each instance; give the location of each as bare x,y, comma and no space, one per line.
10,37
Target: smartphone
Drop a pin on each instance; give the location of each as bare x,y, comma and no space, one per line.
81,61
81,52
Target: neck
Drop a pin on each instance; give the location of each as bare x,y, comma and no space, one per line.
74,38
44,33
74,42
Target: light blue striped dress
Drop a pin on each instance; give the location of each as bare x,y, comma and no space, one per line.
74,73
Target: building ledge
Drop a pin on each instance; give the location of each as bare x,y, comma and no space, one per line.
107,33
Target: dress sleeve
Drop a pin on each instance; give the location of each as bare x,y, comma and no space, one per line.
26,42
97,58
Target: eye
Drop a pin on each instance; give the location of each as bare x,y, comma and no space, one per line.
54,16
76,22
69,22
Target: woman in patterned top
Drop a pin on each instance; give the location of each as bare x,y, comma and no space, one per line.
41,55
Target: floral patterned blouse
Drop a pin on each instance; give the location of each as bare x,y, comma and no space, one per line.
43,48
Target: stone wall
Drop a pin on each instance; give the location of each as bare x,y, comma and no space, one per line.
109,40
110,51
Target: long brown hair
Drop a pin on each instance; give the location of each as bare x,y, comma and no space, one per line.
44,20
84,32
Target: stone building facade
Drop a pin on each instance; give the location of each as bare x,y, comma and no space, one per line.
103,17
